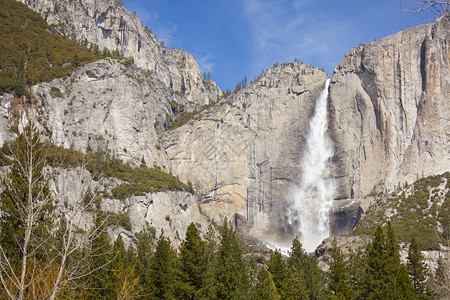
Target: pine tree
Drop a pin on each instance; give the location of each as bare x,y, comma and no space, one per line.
193,259
385,277
374,277
163,269
144,253
356,264
338,276
101,279
278,269
208,292
265,287
418,270
231,276
125,280
399,283
306,280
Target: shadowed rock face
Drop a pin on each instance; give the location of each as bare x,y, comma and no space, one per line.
344,216
243,156
389,110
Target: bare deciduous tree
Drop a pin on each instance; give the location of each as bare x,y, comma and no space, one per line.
26,215
438,7
39,259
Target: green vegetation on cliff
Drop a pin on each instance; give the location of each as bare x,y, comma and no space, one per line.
31,51
182,116
136,180
419,210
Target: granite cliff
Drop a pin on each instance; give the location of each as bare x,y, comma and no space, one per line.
109,25
243,155
389,112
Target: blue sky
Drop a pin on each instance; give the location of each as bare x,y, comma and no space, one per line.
237,38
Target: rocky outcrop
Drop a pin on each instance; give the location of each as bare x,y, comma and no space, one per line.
344,216
389,110
168,212
109,25
171,212
243,156
117,105
103,105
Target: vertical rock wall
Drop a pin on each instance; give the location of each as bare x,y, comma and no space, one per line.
244,155
389,110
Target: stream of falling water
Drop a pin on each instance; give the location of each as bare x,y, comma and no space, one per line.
312,199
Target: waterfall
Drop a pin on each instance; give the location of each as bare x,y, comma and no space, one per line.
308,212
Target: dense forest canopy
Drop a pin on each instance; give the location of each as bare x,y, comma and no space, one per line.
31,51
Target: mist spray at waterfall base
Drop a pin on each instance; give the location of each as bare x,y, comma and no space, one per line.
310,202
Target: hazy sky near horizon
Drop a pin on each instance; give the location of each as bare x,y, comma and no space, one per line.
237,38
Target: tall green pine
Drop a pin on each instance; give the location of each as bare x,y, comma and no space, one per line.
385,277
356,265
28,166
441,284
144,256
102,255
418,270
374,275
265,287
231,276
163,269
338,276
306,279
278,269
399,283
193,265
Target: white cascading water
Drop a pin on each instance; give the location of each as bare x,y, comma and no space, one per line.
312,199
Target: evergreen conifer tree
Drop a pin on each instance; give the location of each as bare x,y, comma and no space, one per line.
101,279
306,279
338,275
356,265
278,269
144,254
193,265
212,246
399,284
125,278
163,269
441,284
374,277
385,277
418,270
265,287
231,275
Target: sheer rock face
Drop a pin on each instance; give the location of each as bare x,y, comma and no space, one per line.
243,155
109,25
389,110
100,106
